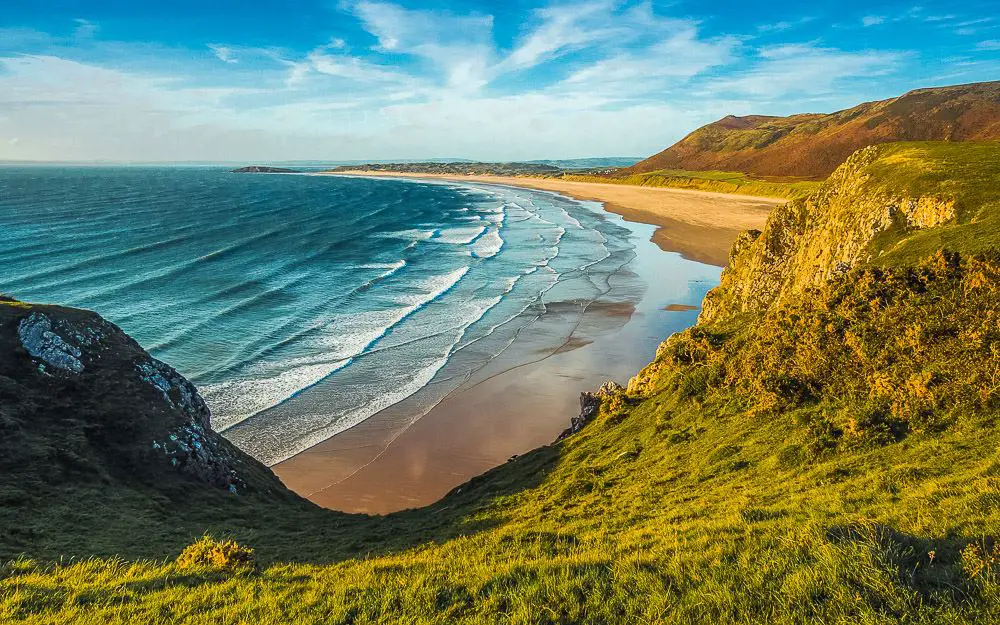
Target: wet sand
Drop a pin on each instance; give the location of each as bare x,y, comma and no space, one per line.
403,458
700,225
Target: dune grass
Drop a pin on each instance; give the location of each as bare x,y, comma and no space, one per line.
718,181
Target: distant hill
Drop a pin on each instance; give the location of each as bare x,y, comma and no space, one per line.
811,146
589,163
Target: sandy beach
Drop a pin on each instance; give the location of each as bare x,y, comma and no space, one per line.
700,225
404,457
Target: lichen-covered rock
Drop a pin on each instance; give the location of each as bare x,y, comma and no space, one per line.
191,449
38,339
176,390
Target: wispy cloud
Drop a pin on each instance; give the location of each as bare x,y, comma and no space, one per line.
785,25
797,69
223,53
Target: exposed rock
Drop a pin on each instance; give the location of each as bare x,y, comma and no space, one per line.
39,340
176,390
192,450
590,405
83,401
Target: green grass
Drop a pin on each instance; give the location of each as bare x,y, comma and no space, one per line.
966,172
718,181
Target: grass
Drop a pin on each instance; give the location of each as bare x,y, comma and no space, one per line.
831,461
718,181
966,172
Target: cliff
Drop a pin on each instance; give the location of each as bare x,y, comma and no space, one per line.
883,201
811,146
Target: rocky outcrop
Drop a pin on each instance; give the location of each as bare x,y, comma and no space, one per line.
805,243
176,390
590,405
50,348
81,400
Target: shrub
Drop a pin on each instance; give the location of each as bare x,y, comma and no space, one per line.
216,554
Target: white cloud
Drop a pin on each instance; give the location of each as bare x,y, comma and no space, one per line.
873,20
805,69
417,83
680,55
223,53
458,46
563,27
990,44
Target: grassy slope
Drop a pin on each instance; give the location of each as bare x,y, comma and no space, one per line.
762,474
969,173
718,181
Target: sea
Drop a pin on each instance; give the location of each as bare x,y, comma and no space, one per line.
302,304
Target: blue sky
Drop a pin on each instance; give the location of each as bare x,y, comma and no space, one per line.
219,80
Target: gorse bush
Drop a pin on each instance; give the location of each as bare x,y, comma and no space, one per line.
876,354
208,552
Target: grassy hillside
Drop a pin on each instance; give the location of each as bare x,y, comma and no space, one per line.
811,146
829,454
717,181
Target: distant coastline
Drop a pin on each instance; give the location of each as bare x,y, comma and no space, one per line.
699,225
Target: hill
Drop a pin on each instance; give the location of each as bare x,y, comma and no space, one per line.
820,447
811,146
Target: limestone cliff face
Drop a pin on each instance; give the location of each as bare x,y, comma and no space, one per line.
807,242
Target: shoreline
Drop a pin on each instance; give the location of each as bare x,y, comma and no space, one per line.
401,458
699,225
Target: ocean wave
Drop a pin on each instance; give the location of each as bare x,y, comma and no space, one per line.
350,335
488,244
459,236
344,421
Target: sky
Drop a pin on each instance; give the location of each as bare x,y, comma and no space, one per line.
219,80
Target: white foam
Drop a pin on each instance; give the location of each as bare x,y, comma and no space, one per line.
233,402
349,335
420,379
460,236
488,245
413,235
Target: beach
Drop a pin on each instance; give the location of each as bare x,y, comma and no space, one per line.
700,225
407,456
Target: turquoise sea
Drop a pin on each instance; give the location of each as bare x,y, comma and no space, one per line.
301,305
